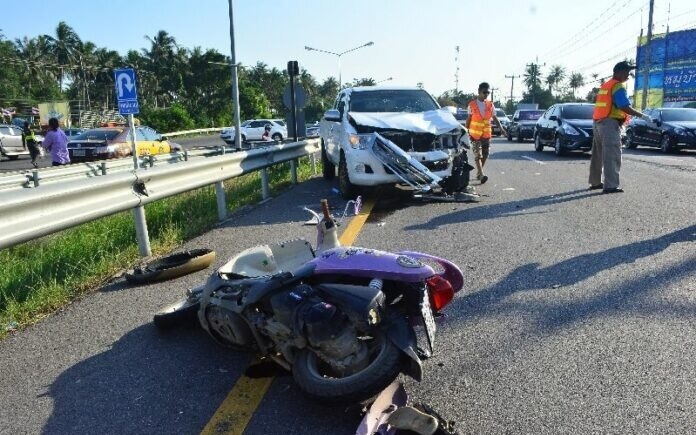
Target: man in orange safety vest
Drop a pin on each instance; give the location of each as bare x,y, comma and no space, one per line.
611,110
481,112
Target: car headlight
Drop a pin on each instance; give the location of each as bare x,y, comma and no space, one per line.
569,129
680,131
361,141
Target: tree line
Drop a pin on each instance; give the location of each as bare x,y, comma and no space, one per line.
179,87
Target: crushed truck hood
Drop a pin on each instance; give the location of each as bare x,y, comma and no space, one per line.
435,122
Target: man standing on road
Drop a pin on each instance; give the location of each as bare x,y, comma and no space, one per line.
481,111
611,109
30,143
57,143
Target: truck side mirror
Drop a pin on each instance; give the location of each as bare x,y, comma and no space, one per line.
332,115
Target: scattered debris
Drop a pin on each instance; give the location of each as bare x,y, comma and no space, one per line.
388,401
509,188
555,286
12,326
381,224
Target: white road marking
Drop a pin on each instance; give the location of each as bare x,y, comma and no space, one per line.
534,160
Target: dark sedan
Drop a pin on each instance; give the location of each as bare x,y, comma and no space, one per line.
565,127
670,129
522,125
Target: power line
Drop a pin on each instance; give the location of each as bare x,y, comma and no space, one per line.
583,31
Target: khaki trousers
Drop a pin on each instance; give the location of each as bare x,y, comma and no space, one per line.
606,153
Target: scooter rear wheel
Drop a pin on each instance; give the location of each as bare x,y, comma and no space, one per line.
384,367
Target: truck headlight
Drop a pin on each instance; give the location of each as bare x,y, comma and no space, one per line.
361,141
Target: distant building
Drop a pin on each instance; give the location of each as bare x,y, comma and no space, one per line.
672,75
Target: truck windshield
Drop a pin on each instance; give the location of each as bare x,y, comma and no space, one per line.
530,115
392,101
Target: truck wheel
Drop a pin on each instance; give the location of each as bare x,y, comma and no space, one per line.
329,169
348,190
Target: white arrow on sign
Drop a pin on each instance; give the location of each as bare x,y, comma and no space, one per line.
122,80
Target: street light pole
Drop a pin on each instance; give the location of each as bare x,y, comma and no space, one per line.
339,57
235,86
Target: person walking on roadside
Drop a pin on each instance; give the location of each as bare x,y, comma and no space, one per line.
611,110
57,143
29,140
481,112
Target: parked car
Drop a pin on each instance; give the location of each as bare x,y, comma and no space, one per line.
670,129
253,129
312,130
11,145
409,118
114,142
461,115
504,120
565,127
522,124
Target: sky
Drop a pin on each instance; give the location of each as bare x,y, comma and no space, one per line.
414,40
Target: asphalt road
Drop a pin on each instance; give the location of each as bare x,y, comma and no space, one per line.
23,163
577,315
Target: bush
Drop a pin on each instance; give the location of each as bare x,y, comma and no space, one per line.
174,118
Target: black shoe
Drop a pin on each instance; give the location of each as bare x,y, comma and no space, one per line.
613,190
484,179
596,186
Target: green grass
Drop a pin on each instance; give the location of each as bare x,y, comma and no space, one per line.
41,276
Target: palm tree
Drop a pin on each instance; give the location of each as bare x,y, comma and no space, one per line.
532,77
33,53
63,46
576,80
555,76
160,61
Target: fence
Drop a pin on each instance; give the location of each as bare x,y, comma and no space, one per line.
28,214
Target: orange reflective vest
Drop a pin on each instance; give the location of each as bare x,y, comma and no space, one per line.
480,126
604,104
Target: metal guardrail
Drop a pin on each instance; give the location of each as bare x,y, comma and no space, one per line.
39,177
27,214
200,130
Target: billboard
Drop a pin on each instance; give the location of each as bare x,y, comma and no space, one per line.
672,70
60,110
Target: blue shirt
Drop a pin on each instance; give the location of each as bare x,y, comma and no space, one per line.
620,98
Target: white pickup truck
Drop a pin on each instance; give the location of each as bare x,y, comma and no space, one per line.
391,135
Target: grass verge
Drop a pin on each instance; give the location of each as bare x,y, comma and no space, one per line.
41,276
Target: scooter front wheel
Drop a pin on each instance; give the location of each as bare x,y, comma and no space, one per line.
180,313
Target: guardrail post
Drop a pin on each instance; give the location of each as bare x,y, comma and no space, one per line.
293,171
102,166
313,163
221,200
186,155
265,191
35,177
141,233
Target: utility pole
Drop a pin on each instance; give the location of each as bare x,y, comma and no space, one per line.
493,93
456,70
235,86
646,68
534,72
512,84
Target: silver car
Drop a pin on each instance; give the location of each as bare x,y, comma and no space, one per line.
11,145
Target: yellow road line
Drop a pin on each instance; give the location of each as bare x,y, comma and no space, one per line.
235,412
351,232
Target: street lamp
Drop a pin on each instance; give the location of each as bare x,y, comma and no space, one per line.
339,57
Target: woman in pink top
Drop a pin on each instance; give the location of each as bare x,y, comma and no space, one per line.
56,142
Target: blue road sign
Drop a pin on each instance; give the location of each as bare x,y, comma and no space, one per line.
126,92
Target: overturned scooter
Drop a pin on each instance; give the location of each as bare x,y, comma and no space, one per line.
341,319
